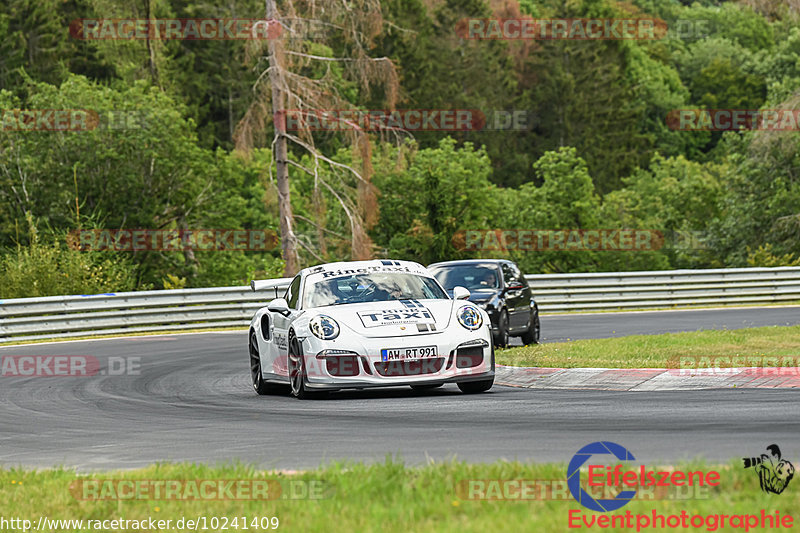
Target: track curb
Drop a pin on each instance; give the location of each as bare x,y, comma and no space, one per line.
647,379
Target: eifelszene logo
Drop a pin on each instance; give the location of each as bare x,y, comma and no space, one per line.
574,476
616,476
774,473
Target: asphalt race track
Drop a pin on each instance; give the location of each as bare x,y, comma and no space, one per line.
190,400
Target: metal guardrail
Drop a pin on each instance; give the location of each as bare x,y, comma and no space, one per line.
665,288
129,312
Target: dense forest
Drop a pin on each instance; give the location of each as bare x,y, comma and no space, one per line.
184,137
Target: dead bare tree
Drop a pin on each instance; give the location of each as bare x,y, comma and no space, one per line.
304,79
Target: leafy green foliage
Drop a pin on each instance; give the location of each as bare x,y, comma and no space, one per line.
598,152
763,257
429,195
54,268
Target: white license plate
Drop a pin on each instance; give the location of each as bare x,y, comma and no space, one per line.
400,354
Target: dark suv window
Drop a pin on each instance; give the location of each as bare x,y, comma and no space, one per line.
508,274
512,274
474,277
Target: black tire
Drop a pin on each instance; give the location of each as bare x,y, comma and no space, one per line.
259,385
534,329
474,387
427,387
501,338
297,372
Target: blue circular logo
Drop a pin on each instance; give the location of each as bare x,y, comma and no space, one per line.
574,476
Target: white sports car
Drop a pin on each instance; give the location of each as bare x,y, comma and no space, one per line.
369,324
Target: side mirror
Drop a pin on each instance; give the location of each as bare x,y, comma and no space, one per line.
460,293
516,286
279,305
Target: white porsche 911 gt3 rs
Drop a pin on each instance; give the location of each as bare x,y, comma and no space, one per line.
364,324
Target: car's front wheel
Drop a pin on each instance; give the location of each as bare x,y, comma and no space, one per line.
297,371
474,387
501,337
259,385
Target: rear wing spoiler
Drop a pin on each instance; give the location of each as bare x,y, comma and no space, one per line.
264,284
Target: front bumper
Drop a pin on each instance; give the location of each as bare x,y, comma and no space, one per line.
358,364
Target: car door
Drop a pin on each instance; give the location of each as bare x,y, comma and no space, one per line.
281,326
515,296
527,298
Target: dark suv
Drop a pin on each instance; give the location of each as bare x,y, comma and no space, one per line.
498,286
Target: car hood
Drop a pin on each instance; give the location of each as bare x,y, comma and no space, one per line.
396,318
480,296
483,296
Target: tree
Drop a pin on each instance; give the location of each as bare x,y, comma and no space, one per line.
762,201
452,192
293,62
144,171
677,197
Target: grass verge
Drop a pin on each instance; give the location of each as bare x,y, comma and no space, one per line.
659,351
388,496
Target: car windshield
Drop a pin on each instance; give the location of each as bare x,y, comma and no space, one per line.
373,287
473,277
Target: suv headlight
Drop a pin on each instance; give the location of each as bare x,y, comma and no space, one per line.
324,327
470,318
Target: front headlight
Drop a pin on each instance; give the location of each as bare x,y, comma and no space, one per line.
324,327
470,318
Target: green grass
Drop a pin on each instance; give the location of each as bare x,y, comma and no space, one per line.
387,496
657,351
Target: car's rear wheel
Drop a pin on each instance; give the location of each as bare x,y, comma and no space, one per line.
534,329
427,387
259,385
297,371
501,338
474,387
